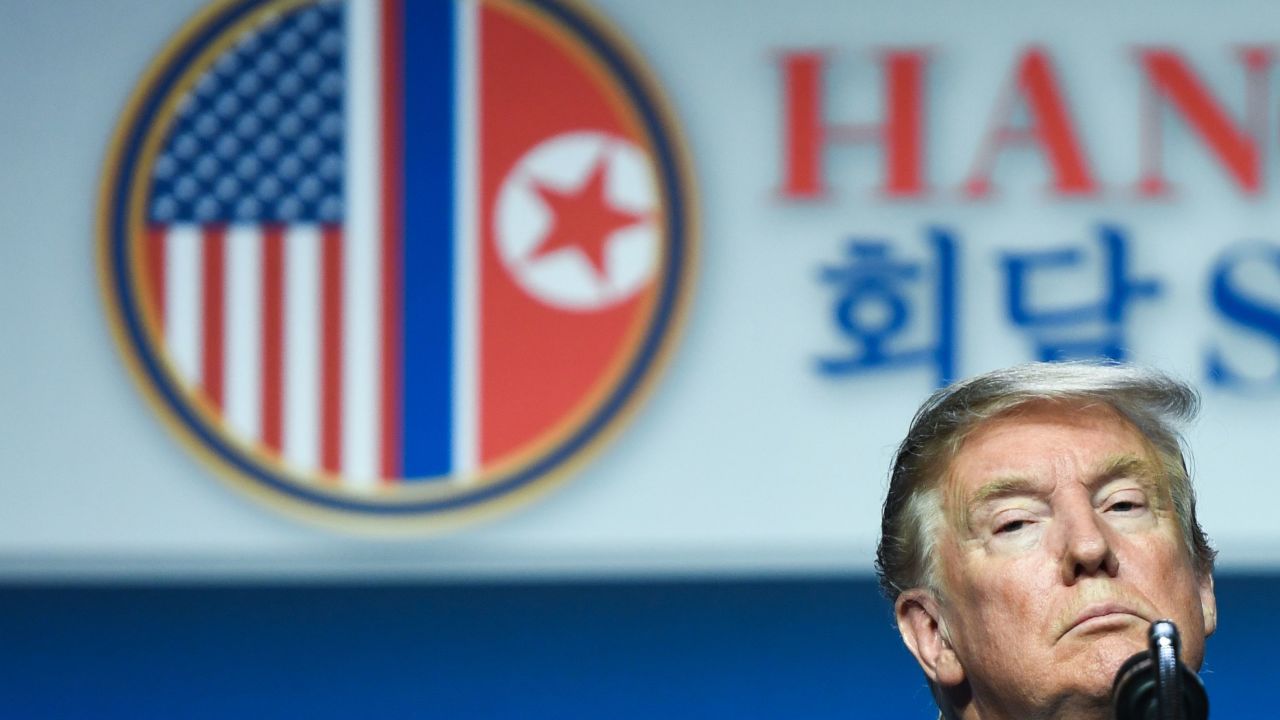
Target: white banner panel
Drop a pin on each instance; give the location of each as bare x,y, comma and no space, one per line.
879,197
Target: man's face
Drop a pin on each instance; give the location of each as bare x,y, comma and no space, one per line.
1061,547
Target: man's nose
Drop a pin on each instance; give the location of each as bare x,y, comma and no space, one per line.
1086,544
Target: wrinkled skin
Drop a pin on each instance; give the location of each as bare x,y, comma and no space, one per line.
1059,549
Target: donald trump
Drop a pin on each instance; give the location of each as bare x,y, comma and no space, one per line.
1038,519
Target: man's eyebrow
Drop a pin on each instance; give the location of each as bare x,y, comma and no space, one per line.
1001,487
1141,469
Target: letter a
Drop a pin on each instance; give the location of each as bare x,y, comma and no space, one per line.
1050,127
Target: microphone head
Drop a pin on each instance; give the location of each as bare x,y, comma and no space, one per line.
1135,694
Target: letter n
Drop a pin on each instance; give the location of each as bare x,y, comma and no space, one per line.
1169,80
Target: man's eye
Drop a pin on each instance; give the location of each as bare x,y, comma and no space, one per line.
1011,526
1125,506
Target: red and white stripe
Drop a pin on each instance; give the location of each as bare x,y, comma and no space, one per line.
254,321
466,341
362,283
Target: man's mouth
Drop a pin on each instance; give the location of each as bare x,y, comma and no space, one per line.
1100,616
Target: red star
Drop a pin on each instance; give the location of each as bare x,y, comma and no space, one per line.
583,219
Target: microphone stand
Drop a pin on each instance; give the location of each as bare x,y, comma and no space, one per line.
1155,685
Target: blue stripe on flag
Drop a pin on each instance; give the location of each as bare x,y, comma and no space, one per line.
429,47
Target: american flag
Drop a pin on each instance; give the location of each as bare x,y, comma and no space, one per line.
248,253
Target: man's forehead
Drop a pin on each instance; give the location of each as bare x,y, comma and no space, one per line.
1045,429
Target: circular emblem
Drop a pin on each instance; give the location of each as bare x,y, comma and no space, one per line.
395,262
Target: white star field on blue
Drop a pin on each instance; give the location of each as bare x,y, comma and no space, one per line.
259,137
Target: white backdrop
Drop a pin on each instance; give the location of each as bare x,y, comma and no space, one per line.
744,457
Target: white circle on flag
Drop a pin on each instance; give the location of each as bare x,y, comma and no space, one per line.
575,222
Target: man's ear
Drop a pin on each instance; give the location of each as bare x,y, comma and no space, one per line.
920,622
1208,605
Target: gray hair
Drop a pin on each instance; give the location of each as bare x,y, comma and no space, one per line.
1154,402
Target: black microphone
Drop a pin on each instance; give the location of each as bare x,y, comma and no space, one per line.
1155,685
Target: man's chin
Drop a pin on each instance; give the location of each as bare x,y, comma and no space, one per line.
1095,658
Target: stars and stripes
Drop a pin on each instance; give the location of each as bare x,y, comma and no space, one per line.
249,252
